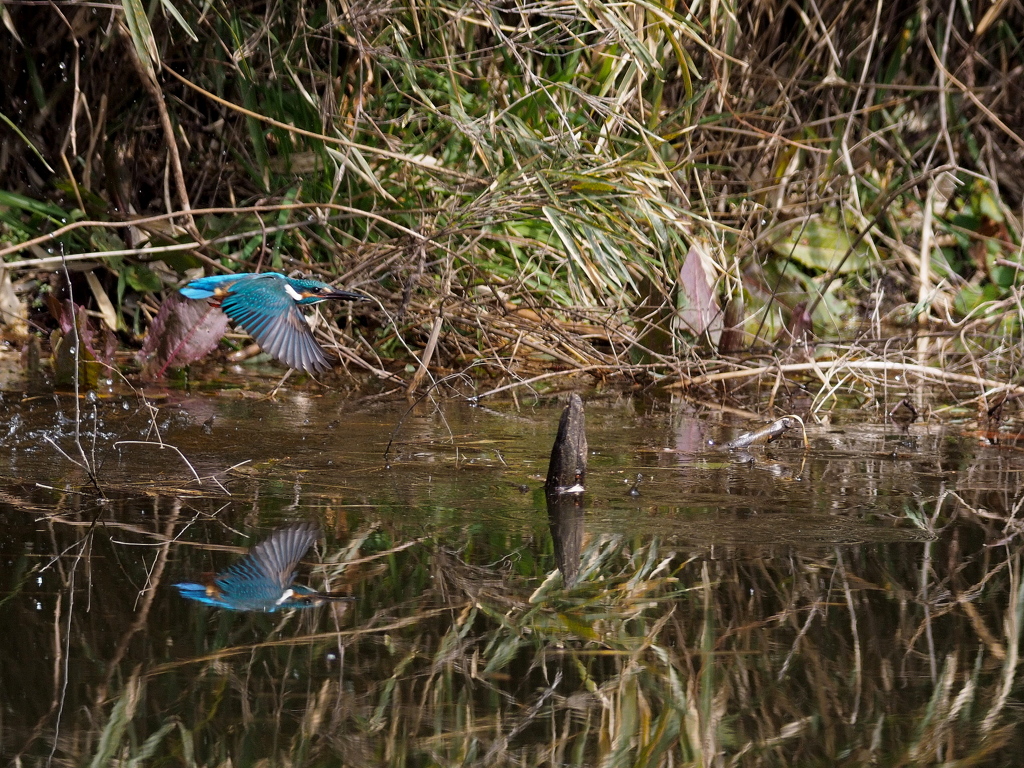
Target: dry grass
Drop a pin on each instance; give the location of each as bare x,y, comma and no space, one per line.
521,186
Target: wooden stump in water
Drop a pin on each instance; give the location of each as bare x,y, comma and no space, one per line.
568,466
564,489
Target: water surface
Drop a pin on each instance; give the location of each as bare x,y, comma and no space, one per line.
855,601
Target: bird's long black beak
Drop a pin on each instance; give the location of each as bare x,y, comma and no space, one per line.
337,293
333,597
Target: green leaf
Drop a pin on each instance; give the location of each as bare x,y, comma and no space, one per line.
27,204
820,244
142,35
169,7
21,135
106,240
142,278
114,730
988,205
578,627
973,296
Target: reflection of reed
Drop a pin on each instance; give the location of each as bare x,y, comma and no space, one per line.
735,664
874,653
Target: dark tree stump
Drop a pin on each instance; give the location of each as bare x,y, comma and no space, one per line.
567,469
567,472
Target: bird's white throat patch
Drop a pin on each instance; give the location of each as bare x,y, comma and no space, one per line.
296,296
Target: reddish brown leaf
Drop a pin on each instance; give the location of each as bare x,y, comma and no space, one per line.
698,307
182,332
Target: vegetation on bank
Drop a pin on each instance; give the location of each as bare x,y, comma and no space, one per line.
658,190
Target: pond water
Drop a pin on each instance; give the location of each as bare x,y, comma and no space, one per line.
856,601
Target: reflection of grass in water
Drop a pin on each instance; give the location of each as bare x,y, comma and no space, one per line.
654,658
659,655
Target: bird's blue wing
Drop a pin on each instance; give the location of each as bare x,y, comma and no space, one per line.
269,569
264,310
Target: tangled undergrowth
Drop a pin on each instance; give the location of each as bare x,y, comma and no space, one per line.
666,194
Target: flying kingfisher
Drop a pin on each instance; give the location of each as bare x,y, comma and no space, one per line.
266,306
263,579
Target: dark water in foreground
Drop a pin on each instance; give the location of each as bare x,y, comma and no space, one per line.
860,602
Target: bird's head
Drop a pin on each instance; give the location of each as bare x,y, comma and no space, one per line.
297,596
313,292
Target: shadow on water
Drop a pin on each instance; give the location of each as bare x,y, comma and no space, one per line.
858,601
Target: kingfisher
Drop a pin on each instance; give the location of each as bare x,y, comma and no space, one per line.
266,306
264,580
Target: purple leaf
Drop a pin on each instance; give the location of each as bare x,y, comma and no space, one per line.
698,307
182,332
101,345
91,357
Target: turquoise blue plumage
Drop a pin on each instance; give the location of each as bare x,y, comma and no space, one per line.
263,580
267,307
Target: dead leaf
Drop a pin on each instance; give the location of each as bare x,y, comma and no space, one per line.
182,332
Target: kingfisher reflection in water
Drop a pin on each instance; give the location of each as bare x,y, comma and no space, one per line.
264,579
